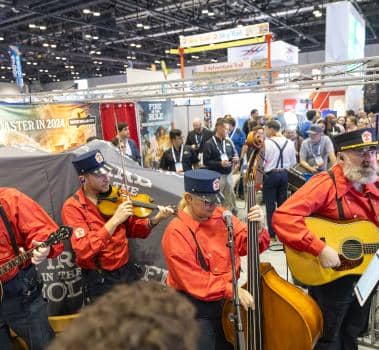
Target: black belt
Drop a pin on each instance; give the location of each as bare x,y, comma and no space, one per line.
278,170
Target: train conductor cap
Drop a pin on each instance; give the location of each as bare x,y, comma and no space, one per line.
204,184
357,139
91,162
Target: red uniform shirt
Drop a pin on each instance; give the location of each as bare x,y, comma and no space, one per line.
184,270
29,222
318,197
90,238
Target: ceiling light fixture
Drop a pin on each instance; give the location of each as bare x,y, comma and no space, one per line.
317,11
96,14
166,51
204,11
98,52
53,46
211,13
139,25
88,36
146,27
132,44
86,11
31,25
95,37
138,46
42,27
45,45
1,38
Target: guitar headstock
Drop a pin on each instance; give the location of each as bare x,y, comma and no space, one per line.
62,233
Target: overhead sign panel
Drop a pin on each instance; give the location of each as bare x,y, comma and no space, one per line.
220,36
222,67
211,47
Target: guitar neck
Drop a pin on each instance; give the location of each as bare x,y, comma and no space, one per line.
370,248
16,261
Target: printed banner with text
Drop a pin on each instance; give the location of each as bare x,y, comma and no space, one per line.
155,122
49,127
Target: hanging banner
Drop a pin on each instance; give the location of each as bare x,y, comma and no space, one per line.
220,36
155,121
15,56
50,127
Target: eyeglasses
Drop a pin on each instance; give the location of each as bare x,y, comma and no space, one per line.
205,202
362,152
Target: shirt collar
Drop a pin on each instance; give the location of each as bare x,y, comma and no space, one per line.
344,185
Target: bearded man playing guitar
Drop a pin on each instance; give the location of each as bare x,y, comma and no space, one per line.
24,225
348,191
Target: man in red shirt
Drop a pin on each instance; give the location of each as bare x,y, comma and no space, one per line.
349,191
22,307
197,257
101,245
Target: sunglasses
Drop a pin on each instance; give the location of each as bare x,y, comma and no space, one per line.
205,202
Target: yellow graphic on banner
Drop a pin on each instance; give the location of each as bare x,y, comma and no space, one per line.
51,127
226,45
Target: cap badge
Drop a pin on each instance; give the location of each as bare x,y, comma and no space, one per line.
99,158
216,185
366,136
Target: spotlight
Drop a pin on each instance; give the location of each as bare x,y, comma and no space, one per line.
317,11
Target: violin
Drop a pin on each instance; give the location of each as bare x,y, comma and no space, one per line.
109,201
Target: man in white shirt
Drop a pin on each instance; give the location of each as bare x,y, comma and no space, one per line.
280,154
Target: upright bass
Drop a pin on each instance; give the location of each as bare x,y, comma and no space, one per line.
284,316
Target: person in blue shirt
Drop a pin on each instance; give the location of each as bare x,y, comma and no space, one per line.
130,146
235,134
305,125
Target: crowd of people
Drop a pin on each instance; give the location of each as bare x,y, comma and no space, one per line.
194,242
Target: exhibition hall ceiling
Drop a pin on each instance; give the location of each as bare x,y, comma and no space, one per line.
63,40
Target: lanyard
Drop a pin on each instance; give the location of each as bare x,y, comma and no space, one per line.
181,153
218,148
318,151
198,138
234,131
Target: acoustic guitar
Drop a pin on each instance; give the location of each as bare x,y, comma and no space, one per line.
62,233
354,241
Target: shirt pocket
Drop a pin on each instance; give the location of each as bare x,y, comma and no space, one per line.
219,262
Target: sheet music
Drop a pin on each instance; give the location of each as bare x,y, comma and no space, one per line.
368,280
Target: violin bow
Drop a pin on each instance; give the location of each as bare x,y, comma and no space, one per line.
119,151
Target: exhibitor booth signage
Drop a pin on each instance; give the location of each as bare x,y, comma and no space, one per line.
155,121
49,127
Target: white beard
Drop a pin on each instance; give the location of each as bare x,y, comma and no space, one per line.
358,174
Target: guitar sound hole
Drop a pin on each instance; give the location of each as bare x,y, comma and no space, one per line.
352,249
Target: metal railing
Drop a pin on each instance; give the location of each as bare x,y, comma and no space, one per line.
323,76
